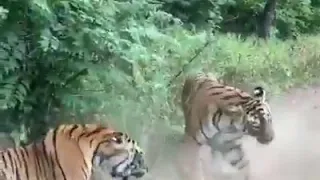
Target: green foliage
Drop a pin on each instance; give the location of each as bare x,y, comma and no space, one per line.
46,59
292,17
64,60
141,109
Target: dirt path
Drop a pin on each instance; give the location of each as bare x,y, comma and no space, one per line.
295,153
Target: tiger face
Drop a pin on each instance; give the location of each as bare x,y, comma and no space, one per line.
259,119
121,156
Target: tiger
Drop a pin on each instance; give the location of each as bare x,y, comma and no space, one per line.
71,151
210,107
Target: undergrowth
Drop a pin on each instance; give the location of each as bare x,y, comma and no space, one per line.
276,65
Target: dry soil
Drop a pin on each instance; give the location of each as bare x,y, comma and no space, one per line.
295,152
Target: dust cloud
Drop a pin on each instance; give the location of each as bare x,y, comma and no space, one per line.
295,153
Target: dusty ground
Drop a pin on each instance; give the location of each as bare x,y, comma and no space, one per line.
295,152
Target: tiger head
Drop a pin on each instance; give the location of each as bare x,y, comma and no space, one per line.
259,119
121,156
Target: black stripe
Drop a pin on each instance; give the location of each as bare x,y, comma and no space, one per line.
36,163
42,161
4,160
91,143
251,107
16,170
260,109
202,130
24,159
84,134
251,103
52,167
10,161
215,93
231,89
228,97
54,139
74,127
45,157
15,150
84,161
84,173
96,131
194,138
216,118
216,87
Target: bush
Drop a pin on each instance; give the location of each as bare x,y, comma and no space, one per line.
124,59
151,111
276,65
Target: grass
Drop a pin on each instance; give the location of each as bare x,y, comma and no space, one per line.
276,65
151,113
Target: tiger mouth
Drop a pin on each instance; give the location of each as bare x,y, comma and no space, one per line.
131,170
261,136
137,168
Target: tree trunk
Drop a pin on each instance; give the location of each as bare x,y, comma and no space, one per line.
266,19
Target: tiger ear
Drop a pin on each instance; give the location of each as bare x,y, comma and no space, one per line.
259,93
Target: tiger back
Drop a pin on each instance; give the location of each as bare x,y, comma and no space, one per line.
70,151
209,106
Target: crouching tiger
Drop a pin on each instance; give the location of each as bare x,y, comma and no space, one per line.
211,108
70,151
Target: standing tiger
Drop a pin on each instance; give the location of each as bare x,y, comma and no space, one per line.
70,151
210,107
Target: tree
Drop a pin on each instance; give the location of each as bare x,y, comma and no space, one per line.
266,19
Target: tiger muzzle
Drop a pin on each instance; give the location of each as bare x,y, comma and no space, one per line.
137,168
264,134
